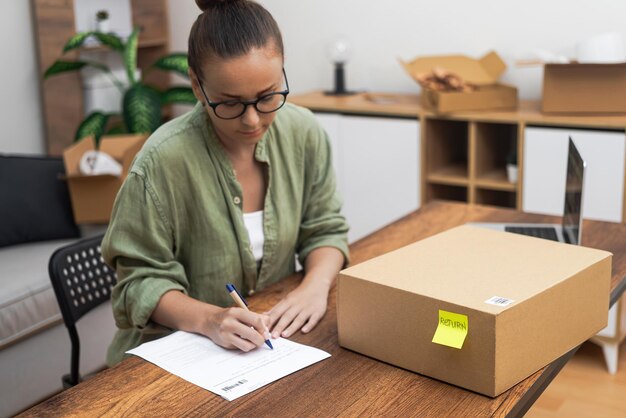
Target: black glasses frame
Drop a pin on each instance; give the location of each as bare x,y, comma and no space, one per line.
247,103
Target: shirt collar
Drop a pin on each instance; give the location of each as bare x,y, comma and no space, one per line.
214,144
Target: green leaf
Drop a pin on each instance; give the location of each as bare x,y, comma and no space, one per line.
110,40
176,62
77,41
130,55
93,124
142,109
178,94
117,130
61,66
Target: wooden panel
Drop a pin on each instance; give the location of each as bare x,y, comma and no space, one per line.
145,58
408,105
62,95
151,17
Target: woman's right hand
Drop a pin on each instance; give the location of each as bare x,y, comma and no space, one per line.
238,328
227,327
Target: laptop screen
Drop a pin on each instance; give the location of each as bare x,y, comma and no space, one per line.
572,211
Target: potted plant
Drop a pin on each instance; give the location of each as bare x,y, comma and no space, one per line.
141,103
93,155
102,21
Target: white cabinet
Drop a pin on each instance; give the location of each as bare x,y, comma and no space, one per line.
376,160
545,161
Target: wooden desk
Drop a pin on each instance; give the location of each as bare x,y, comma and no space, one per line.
347,383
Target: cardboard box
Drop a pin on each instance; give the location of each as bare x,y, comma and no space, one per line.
584,88
389,307
93,196
483,73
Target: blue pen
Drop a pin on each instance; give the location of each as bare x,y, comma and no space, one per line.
239,300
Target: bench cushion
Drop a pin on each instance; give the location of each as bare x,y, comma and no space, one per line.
27,300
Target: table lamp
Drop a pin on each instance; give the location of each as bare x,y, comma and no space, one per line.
339,52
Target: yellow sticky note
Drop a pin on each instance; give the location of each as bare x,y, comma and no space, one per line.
451,329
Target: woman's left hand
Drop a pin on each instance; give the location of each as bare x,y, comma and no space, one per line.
305,305
301,309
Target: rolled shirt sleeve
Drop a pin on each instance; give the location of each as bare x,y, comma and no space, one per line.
139,245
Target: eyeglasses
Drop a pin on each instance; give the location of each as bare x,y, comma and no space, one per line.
232,109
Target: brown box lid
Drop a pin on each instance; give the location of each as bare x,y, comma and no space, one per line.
485,70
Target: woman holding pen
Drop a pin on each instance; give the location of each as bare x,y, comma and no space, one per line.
230,192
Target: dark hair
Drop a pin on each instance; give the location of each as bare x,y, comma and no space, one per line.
230,29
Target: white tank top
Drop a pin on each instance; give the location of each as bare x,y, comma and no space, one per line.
254,225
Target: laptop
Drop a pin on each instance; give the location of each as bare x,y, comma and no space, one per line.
570,229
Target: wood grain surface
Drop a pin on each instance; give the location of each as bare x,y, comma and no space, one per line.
408,105
347,384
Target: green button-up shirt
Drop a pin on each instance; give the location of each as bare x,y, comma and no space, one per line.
177,222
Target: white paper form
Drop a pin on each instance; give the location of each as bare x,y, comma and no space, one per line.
228,373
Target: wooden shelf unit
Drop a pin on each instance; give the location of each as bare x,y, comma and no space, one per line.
470,154
62,96
463,155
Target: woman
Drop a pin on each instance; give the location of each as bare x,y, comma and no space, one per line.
230,192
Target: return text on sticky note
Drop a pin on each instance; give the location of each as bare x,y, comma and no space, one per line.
451,329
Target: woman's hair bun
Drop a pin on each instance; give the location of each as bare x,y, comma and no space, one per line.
207,4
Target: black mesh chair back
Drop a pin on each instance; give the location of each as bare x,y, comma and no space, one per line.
81,281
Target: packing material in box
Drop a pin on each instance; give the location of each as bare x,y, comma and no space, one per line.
584,88
482,74
92,196
478,308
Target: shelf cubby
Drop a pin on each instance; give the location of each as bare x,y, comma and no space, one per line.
494,143
446,192
495,198
447,152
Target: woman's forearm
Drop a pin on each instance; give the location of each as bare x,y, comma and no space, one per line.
176,310
322,266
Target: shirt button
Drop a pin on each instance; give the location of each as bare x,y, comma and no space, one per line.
251,292
237,200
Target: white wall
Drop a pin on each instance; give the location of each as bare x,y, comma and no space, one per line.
381,31
21,121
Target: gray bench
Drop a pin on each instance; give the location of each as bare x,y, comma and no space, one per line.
34,343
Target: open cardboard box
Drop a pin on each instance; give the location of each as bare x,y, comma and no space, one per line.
93,196
584,88
483,73
526,302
